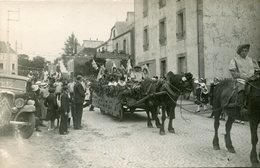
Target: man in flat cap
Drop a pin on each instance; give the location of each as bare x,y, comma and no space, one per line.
79,98
241,68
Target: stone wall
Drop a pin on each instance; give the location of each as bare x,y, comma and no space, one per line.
228,23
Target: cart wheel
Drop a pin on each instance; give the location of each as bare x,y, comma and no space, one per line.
102,111
27,130
132,110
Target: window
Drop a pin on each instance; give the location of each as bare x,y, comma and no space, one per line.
145,8
117,47
163,68
182,63
162,3
114,33
162,31
146,39
124,46
13,67
1,66
180,25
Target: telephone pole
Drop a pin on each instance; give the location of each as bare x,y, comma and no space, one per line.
9,19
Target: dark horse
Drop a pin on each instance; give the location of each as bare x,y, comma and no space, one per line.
225,94
173,86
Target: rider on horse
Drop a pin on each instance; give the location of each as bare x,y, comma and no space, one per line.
241,68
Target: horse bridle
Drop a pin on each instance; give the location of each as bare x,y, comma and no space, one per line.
177,89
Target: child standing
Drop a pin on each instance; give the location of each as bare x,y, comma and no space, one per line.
65,108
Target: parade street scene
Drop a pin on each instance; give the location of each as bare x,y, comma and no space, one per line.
129,83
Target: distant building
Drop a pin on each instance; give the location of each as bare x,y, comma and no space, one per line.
121,40
199,36
8,59
88,47
91,43
105,47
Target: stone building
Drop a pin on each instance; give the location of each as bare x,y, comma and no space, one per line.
197,36
8,59
121,38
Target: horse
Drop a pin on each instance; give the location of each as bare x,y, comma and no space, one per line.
253,97
174,85
224,94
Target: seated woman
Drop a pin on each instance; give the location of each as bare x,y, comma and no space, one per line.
121,81
112,81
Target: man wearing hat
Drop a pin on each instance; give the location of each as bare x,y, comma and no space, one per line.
241,68
79,98
138,74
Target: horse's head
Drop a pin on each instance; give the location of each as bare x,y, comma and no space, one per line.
184,81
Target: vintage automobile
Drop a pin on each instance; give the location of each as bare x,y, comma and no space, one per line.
17,110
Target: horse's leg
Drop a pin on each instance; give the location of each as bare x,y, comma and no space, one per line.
155,113
162,131
216,126
228,141
254,140
149,123
172,116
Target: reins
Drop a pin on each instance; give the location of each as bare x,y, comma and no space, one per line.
253,85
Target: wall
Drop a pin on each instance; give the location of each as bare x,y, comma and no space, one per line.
8,60
173,47
228,23
120,40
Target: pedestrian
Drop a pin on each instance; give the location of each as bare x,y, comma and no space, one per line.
79,97
51,104
35,96
43,95
71,93
202,95
65,108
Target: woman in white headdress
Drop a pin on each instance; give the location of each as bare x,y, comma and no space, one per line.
146,73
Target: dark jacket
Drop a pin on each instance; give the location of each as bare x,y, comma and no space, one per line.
51,102
65,103
79,93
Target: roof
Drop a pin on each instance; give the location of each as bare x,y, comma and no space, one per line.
111,55
4,49
87,51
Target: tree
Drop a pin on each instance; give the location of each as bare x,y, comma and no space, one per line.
38,62
71,44
70,48
23,64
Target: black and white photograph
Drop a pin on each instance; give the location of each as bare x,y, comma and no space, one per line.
129,83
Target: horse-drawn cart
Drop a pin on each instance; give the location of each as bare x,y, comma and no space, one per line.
119,104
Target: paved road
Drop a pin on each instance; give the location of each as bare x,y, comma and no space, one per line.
106,142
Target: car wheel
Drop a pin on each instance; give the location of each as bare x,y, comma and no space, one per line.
26,130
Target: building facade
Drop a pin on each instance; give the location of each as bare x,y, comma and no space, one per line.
121,38
8,60
199,36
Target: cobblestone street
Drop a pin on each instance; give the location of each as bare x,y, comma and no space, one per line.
106,142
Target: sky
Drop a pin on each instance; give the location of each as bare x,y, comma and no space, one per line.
40,27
